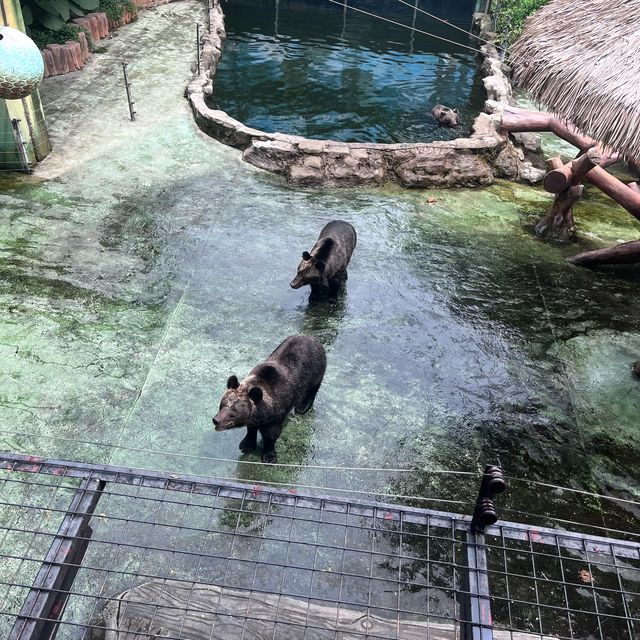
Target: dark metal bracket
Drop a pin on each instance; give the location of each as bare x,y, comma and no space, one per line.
475,597
46,601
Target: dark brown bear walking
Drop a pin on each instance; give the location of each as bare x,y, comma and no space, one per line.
325,266
288,379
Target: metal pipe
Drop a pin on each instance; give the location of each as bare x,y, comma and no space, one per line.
198,45
127,86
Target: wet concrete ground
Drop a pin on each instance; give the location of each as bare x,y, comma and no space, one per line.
143,264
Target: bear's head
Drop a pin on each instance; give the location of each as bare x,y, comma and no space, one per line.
310,271
446,116
237,405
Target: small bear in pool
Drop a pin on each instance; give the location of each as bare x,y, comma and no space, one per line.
325,266
446,116
288,379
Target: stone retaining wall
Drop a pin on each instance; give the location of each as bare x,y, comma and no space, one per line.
464,162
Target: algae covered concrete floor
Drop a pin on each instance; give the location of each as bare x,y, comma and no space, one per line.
144,263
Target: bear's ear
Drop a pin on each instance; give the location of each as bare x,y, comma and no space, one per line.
255,394
306,256
320,265
232,383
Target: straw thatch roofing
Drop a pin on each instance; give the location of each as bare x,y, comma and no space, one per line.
581,59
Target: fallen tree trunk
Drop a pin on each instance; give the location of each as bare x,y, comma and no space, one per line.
625,253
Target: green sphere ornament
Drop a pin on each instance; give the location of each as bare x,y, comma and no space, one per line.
21,64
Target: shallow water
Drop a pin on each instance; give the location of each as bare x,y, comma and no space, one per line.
310,68
144,263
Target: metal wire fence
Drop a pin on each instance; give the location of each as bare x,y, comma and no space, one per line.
88,549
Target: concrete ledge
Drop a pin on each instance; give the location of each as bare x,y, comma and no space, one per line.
464,162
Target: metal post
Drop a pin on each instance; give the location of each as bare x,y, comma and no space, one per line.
44,605
475,597
132,113
21,146
198,44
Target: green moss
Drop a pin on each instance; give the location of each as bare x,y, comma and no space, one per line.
43,37
116,8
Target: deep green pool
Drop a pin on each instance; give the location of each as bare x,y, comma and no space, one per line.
311,68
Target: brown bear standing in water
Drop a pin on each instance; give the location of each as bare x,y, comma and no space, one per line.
325,266
288,379
445,116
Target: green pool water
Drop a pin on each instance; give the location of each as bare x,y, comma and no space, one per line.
316,69
144,263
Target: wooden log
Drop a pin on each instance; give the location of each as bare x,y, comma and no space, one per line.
616,190
162,608
572,173
624,253
515,119
559,225
634,187
521,120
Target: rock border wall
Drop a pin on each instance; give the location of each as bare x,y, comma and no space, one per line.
463,162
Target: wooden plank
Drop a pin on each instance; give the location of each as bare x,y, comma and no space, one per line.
207,612
45,603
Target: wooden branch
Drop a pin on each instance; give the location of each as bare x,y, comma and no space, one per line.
518,120
616,190
634,187
625,253
558,225
572,173
514,119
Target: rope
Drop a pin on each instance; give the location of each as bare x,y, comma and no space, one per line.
255,463
404,26
191,456
449,24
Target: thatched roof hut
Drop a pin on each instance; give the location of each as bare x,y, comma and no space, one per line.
581,59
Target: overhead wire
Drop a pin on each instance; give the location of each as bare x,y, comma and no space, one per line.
404,26
449,24
255,463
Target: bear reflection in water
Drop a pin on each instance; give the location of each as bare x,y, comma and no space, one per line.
288,379
324,268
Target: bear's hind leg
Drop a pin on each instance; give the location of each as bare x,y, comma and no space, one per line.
250,441
307,403
334,287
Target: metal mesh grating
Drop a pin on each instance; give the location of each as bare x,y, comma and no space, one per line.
204,559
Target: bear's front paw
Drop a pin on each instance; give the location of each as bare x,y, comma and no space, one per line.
248,445
269,457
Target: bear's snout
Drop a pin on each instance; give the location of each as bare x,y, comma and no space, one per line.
222,422
296,283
